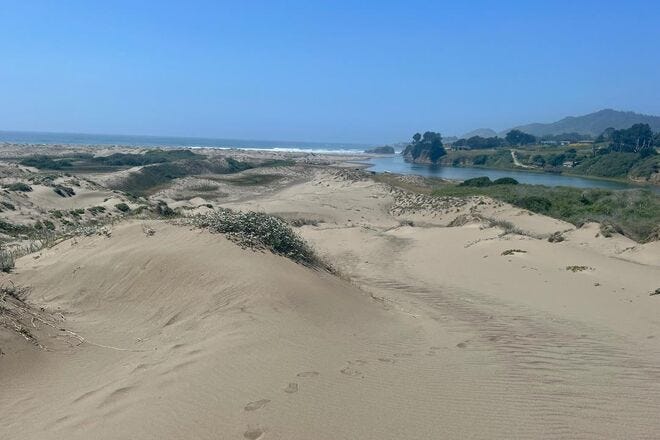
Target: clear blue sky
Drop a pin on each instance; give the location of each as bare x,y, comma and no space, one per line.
368,71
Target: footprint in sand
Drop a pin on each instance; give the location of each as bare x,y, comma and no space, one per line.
350,371
308,374
461,345
291,388
253,406
253,434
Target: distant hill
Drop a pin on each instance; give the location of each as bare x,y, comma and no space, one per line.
483,132
592,124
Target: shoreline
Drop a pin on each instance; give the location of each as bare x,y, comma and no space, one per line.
628,182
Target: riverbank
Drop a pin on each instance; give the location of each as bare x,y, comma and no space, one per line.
396,164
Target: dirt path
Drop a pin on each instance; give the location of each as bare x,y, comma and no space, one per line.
516,162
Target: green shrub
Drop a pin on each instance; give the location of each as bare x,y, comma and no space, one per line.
163,210
477,182
13,229
236,166
63,191
123,207
94,210
7,261
19,187
505,181
636,213
46,162
148,158
535,204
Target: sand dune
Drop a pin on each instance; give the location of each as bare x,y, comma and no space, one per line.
430,331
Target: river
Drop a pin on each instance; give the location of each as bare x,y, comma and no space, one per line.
396,164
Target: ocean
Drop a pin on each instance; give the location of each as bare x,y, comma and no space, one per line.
43,138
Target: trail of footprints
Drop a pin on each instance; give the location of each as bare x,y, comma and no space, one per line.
351,369
291,388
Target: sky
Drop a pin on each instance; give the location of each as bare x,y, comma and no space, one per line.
328,71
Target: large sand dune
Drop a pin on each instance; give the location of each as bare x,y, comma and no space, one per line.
429,333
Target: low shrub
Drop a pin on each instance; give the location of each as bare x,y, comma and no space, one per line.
480,182
298,222
535,204
7,262
477,182
505,181
19,187
634,213
556,237
259,231
64,191
123,207
163,210
94,210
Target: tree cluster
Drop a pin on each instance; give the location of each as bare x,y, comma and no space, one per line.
518,138
639,138
478,142
428,145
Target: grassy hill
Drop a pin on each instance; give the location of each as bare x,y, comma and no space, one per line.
592,124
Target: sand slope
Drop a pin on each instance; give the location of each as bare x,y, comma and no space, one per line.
191,336
572,354
432,333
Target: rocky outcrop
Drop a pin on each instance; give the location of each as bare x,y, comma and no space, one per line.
425,149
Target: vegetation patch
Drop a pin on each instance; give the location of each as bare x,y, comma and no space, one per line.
202,187
578,268
479,182
7,260
123,207
635,213
301,221
513,252
88,162
163,210
556,237
153,177
63,191
95,210
257,230
19,187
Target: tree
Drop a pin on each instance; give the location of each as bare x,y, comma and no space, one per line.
478,142
635,139
427,146
517,137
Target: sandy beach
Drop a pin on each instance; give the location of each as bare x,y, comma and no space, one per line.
433,323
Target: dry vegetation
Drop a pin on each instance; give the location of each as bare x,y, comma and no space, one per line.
257,230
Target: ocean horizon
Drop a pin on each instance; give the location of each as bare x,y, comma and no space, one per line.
49,138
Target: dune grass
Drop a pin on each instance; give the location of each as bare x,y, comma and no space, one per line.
634,213
256,230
